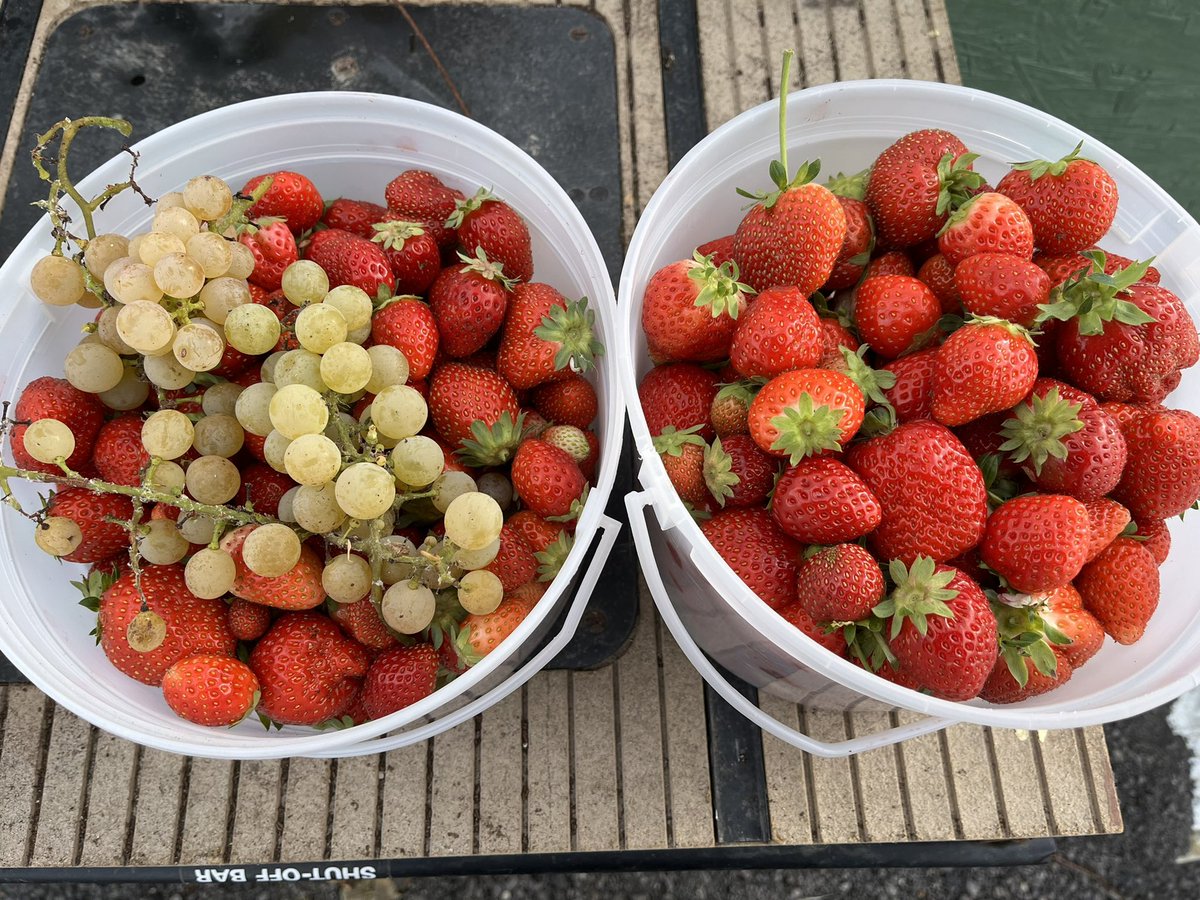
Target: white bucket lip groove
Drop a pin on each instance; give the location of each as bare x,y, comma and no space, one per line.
225,126
810,111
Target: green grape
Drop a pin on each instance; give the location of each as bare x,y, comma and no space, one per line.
319,327
468,560
135,246
170,200
408,609
130,393
198,347
299,366
197,527
154,245
132,282
304,282
57,280
450,485
179,275
399,411
497,487
388,367
177,221
223,295
48,440
168,434
479,593
253,408
211,252
207,197
287,512
106,330
102,251
312,459
241,260
353,303
146,327
275,450
316,508
167,372
212,479
252,329
221,399
93,368
210,573
297,409
271,550
346,368
168,477
339,421
218,435
397,570
473,520
267,370
57,535
347,578
365,490
162,544
418,460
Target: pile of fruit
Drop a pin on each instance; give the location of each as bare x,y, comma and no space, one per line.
922,417
320,457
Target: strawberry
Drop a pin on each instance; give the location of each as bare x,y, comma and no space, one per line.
679,395
757,550
356,216
491,227
720,249
398,678
894,312
851,260
350,259
515,563
247,621
211,690
571,401
938,275
299,588
263,487
421,196
1002,686
730,410
307,668
1156,538
798,616
836,335
253,446
568,438
683,455
362,622
986,366
411,252
1064,612
690,310
1108,519
806,411
1120,587
841,583
192,625
469,301
92,511
1125,414
56,398
119,456
547,480
1037,542
408,325
485,633
533,529
931,492
894,262
942,629
822,501
1002,285
546,337
737,473
233,361
273,246
291,197
987,223
915,183
460,395
779,331
1070,203
1162,473
1060,269
912,394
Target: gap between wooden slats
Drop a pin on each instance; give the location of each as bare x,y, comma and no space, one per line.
852,60
834,804
815,44
404,802
61,799
717,64
204,827
26,730
923,765
883,38
939,22
258,796
916,35
451,820
881,801
1065,782
355,808
305,809
779,33
750,59
1021,801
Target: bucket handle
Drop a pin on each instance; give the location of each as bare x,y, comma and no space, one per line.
636,502
609,528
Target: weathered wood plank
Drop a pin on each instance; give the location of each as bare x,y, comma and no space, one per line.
20,763
305,809
928,794
643,789
688,786
1024,808
835,810
157,808
853,57
355,808
548,764
883,39
751,64
816,42
500,778
1066,787
944,41
917,40
402,815
110,798
63,787
787,785
452,793
779,34
594,761
883,803
1108,805
257,799
716,61
974,792
206,819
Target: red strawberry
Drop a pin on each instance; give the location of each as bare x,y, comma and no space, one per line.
263,486
273,246
119,455
484,633
796,615
942,629
547,480
1125,414
571,401
1037,542
987,223
841,583
398,678
350,259
930,490
1062,268
1070,203
720,249
893,312
1108,519
690,310
1002,687
356,216
894,262
247,621
1002,285
915,183
488,225
1120,587
361,621
515,563
291,197
912,394
210,690
308,670
298,589
192,625
91,511
469,302
1156,538
533,529
1162,474
986,366
409,326
806,411
233,361
728,414
737,473
421,196
411,252
757,550
679,395
460,394
546,337
836,336
253,445
1064,611
851,260
683,455
938,275
779,331
56,398
822,501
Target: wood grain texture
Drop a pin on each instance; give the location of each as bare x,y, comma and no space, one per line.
787,781
882,801
305,809
355,808
157,807
110,787
21,756
405,802
256,813
548,764
500,778
452,793
204,827
643,788
594,761
63,787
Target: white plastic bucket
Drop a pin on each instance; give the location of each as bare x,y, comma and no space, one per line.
350,144
707,607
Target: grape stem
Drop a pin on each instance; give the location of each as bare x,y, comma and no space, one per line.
135,556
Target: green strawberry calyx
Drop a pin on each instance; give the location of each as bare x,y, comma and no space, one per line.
852,187
742,391
957,181
999,488
1093,298
720,289
719,477
492,271
872,382
920,592
573,328
550,560
671,441
393,235
866,642
1037,429
1039,167
576,509
1025,634
383,302
492,445
805,429
469,205
1012,328
960,214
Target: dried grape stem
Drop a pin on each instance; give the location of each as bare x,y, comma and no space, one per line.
135,557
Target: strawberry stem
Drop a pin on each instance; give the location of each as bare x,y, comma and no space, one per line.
805,429
1036,431
1092,297
573,328
921,591
783,95
719,477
